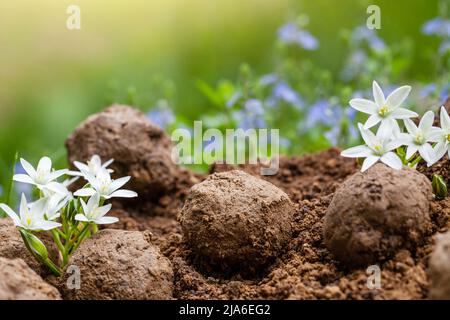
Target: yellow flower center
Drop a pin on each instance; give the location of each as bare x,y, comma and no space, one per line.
448,137
419,138
383,111
378,148
28,220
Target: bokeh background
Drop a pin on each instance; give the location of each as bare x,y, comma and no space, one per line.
190,57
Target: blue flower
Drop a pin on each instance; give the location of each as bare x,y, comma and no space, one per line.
268,79
444,47
428,90
321,112
252,116
162,115
363,34
290,33
233,99
283,91
437,26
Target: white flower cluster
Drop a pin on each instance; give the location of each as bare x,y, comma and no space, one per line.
54,196
392,146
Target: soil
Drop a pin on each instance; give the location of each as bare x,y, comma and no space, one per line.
307,269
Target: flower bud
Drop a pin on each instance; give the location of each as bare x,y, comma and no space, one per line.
439,187
34,244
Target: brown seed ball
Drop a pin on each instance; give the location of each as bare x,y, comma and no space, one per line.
377,212
439,268
139,148
236,221
117,264
19,282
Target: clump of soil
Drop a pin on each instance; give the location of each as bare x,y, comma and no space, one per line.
116,264
12,246
439,269
19,282
139,148
376,213
235,221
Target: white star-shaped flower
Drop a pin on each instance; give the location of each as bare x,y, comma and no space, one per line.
418,137
42,176
105,186
443,143
377,148
93,213
384,110
30,217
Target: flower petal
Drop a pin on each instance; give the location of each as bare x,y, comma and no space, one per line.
410,151
106,220
426,152
116,184
427,121
47,225
15,218
392,160
29,169
402,113
396,98
440,149
56,174
23,178
81,217
364,105
100,212
357,152
435,134
81,166
368,162
45,164
373,120
410,126
85,192
367,135
445,119
123,194
378,94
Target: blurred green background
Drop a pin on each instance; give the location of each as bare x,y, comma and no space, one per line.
52,78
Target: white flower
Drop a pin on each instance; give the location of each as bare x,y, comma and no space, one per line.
384,110
444,139
378,147
105,186
93,213
52,205
418,137
41,176
93,166
30,217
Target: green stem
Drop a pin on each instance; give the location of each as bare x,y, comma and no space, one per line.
81,237
416,161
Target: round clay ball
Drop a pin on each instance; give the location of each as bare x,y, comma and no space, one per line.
117,264
235,221
439,268
375,213
139,148
19,282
